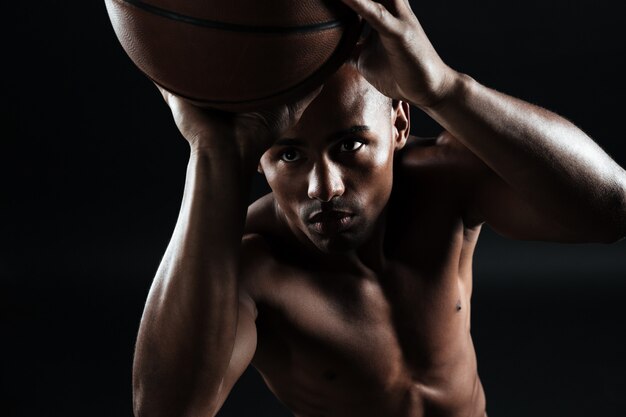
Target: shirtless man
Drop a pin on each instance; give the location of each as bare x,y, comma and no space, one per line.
348,286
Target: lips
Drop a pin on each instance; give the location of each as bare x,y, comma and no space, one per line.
330,222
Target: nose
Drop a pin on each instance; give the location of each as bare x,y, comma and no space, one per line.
325,182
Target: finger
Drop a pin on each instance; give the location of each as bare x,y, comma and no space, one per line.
393,6
375,13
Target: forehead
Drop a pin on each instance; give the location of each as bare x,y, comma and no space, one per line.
346,100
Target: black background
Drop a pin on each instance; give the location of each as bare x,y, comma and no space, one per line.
93,172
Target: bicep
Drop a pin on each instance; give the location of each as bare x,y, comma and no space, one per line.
484,197
487,198
495,203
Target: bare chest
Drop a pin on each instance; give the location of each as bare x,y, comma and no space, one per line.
328,339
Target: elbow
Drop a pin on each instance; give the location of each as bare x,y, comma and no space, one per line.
180,406
140,408
150,410
163,393
618,233
185,393
620,228
617,230
144,407
615,220
614,236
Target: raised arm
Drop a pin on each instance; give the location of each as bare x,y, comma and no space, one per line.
550,182
197,334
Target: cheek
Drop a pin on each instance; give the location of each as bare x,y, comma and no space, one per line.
378,179
379,166
283,182
382,158
285,188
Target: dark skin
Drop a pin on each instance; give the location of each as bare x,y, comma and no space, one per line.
349,286
345,316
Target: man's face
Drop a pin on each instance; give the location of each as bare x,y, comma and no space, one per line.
331,174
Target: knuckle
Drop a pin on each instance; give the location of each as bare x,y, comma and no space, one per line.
381,12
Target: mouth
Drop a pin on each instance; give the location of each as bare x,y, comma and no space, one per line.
330,222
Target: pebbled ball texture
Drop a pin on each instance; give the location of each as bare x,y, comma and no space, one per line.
237,54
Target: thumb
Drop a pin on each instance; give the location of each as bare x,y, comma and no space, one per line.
164,93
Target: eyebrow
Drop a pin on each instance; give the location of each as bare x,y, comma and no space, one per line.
332,137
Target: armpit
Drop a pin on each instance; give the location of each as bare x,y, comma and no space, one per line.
248,303
445,169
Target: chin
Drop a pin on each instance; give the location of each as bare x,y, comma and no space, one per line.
339,243
335,245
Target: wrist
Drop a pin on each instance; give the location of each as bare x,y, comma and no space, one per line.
453,87
226,150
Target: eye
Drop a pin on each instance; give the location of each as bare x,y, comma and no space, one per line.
350,145
290,155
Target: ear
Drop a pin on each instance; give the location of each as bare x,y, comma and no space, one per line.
401,119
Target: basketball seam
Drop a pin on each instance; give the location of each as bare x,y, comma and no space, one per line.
234,27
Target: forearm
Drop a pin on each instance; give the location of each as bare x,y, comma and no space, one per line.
546,159
187,331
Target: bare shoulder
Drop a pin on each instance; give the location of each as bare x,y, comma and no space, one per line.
441,158
440,176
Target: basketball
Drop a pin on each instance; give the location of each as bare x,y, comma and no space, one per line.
235,55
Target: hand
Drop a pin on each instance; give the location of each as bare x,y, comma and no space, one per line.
249,134
397,58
